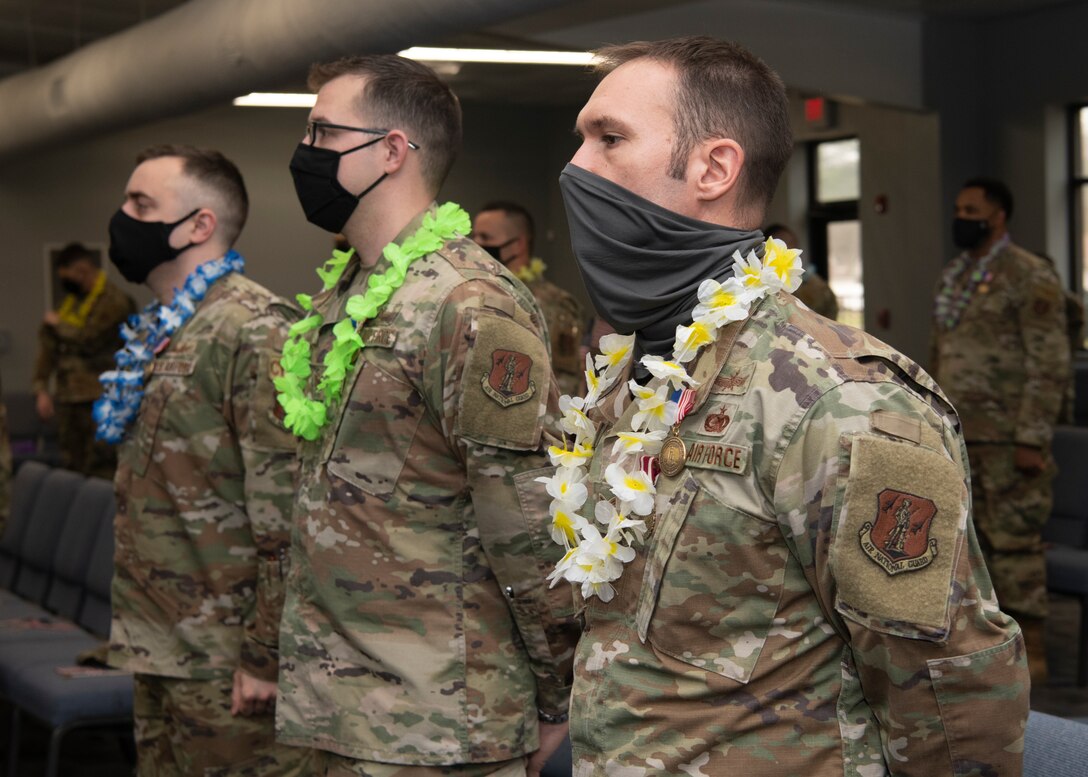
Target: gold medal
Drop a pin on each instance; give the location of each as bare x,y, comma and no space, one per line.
673,456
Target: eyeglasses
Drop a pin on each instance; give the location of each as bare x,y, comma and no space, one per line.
318,128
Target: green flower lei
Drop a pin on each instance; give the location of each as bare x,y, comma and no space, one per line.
306,416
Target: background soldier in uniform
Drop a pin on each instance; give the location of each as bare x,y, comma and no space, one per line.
505,230
1001,350
76,343
206,476
814,290
753,631
419,635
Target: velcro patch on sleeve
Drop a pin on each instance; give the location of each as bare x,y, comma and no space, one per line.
504,385
897,536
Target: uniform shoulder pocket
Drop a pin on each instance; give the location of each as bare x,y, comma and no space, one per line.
504,386
901,511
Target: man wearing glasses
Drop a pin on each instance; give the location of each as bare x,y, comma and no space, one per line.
419,634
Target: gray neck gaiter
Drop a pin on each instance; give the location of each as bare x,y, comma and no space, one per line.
641,263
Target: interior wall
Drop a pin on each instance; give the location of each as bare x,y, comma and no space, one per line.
1034,69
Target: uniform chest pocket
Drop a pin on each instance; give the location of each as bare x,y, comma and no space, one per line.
137,452
720,584
376,431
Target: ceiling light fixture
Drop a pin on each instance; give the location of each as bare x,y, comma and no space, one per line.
435,55
500,56
276,100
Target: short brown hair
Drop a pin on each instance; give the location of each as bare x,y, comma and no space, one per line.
403,94
725,91
523,220
76,252
215,172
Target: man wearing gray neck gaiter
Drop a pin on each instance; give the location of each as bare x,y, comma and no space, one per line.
808,595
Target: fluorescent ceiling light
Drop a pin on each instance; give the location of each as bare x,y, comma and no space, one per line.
276,100
505,56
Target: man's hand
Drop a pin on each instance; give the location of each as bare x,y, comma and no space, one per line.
1029,460
51,318
44,405
551,736
251,696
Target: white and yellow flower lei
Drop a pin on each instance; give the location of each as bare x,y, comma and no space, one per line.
597,549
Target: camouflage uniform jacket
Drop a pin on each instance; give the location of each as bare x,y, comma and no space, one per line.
817,295
772,623
419,627
205,483
1006,364
566,324
78,355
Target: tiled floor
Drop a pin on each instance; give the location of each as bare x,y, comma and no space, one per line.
102,753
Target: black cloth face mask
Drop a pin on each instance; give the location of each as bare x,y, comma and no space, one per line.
72,287
970,233
642,264
138,247
326,203
496,251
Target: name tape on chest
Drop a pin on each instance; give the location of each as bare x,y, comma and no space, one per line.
174,365
379,336
718,456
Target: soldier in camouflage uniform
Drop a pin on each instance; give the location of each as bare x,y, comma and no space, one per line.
505,230
76,343
769,623
814,291
1001,351
205,483
419,634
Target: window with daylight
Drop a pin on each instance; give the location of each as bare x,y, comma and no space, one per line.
1078,193
834,226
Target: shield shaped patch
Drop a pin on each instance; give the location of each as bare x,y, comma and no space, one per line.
898,539
508,382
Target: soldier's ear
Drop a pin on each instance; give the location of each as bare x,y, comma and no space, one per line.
205,222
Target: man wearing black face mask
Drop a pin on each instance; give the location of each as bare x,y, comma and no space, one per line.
205,479
505,230
76,343
419,636
776,558
999,348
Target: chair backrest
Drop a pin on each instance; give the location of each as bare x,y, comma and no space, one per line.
1068,523
1054,747
39,544
94,615
92,505
24,492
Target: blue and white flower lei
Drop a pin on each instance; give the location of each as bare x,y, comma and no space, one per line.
143,334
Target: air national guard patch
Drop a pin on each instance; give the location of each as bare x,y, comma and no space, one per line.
898,533
508,382
898,540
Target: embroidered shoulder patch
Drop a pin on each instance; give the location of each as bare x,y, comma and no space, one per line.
509,381
897,535
898,540
504,385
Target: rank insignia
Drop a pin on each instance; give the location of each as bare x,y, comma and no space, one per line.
716,422
508,381
898,540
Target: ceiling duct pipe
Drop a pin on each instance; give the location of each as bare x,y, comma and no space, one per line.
208,51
